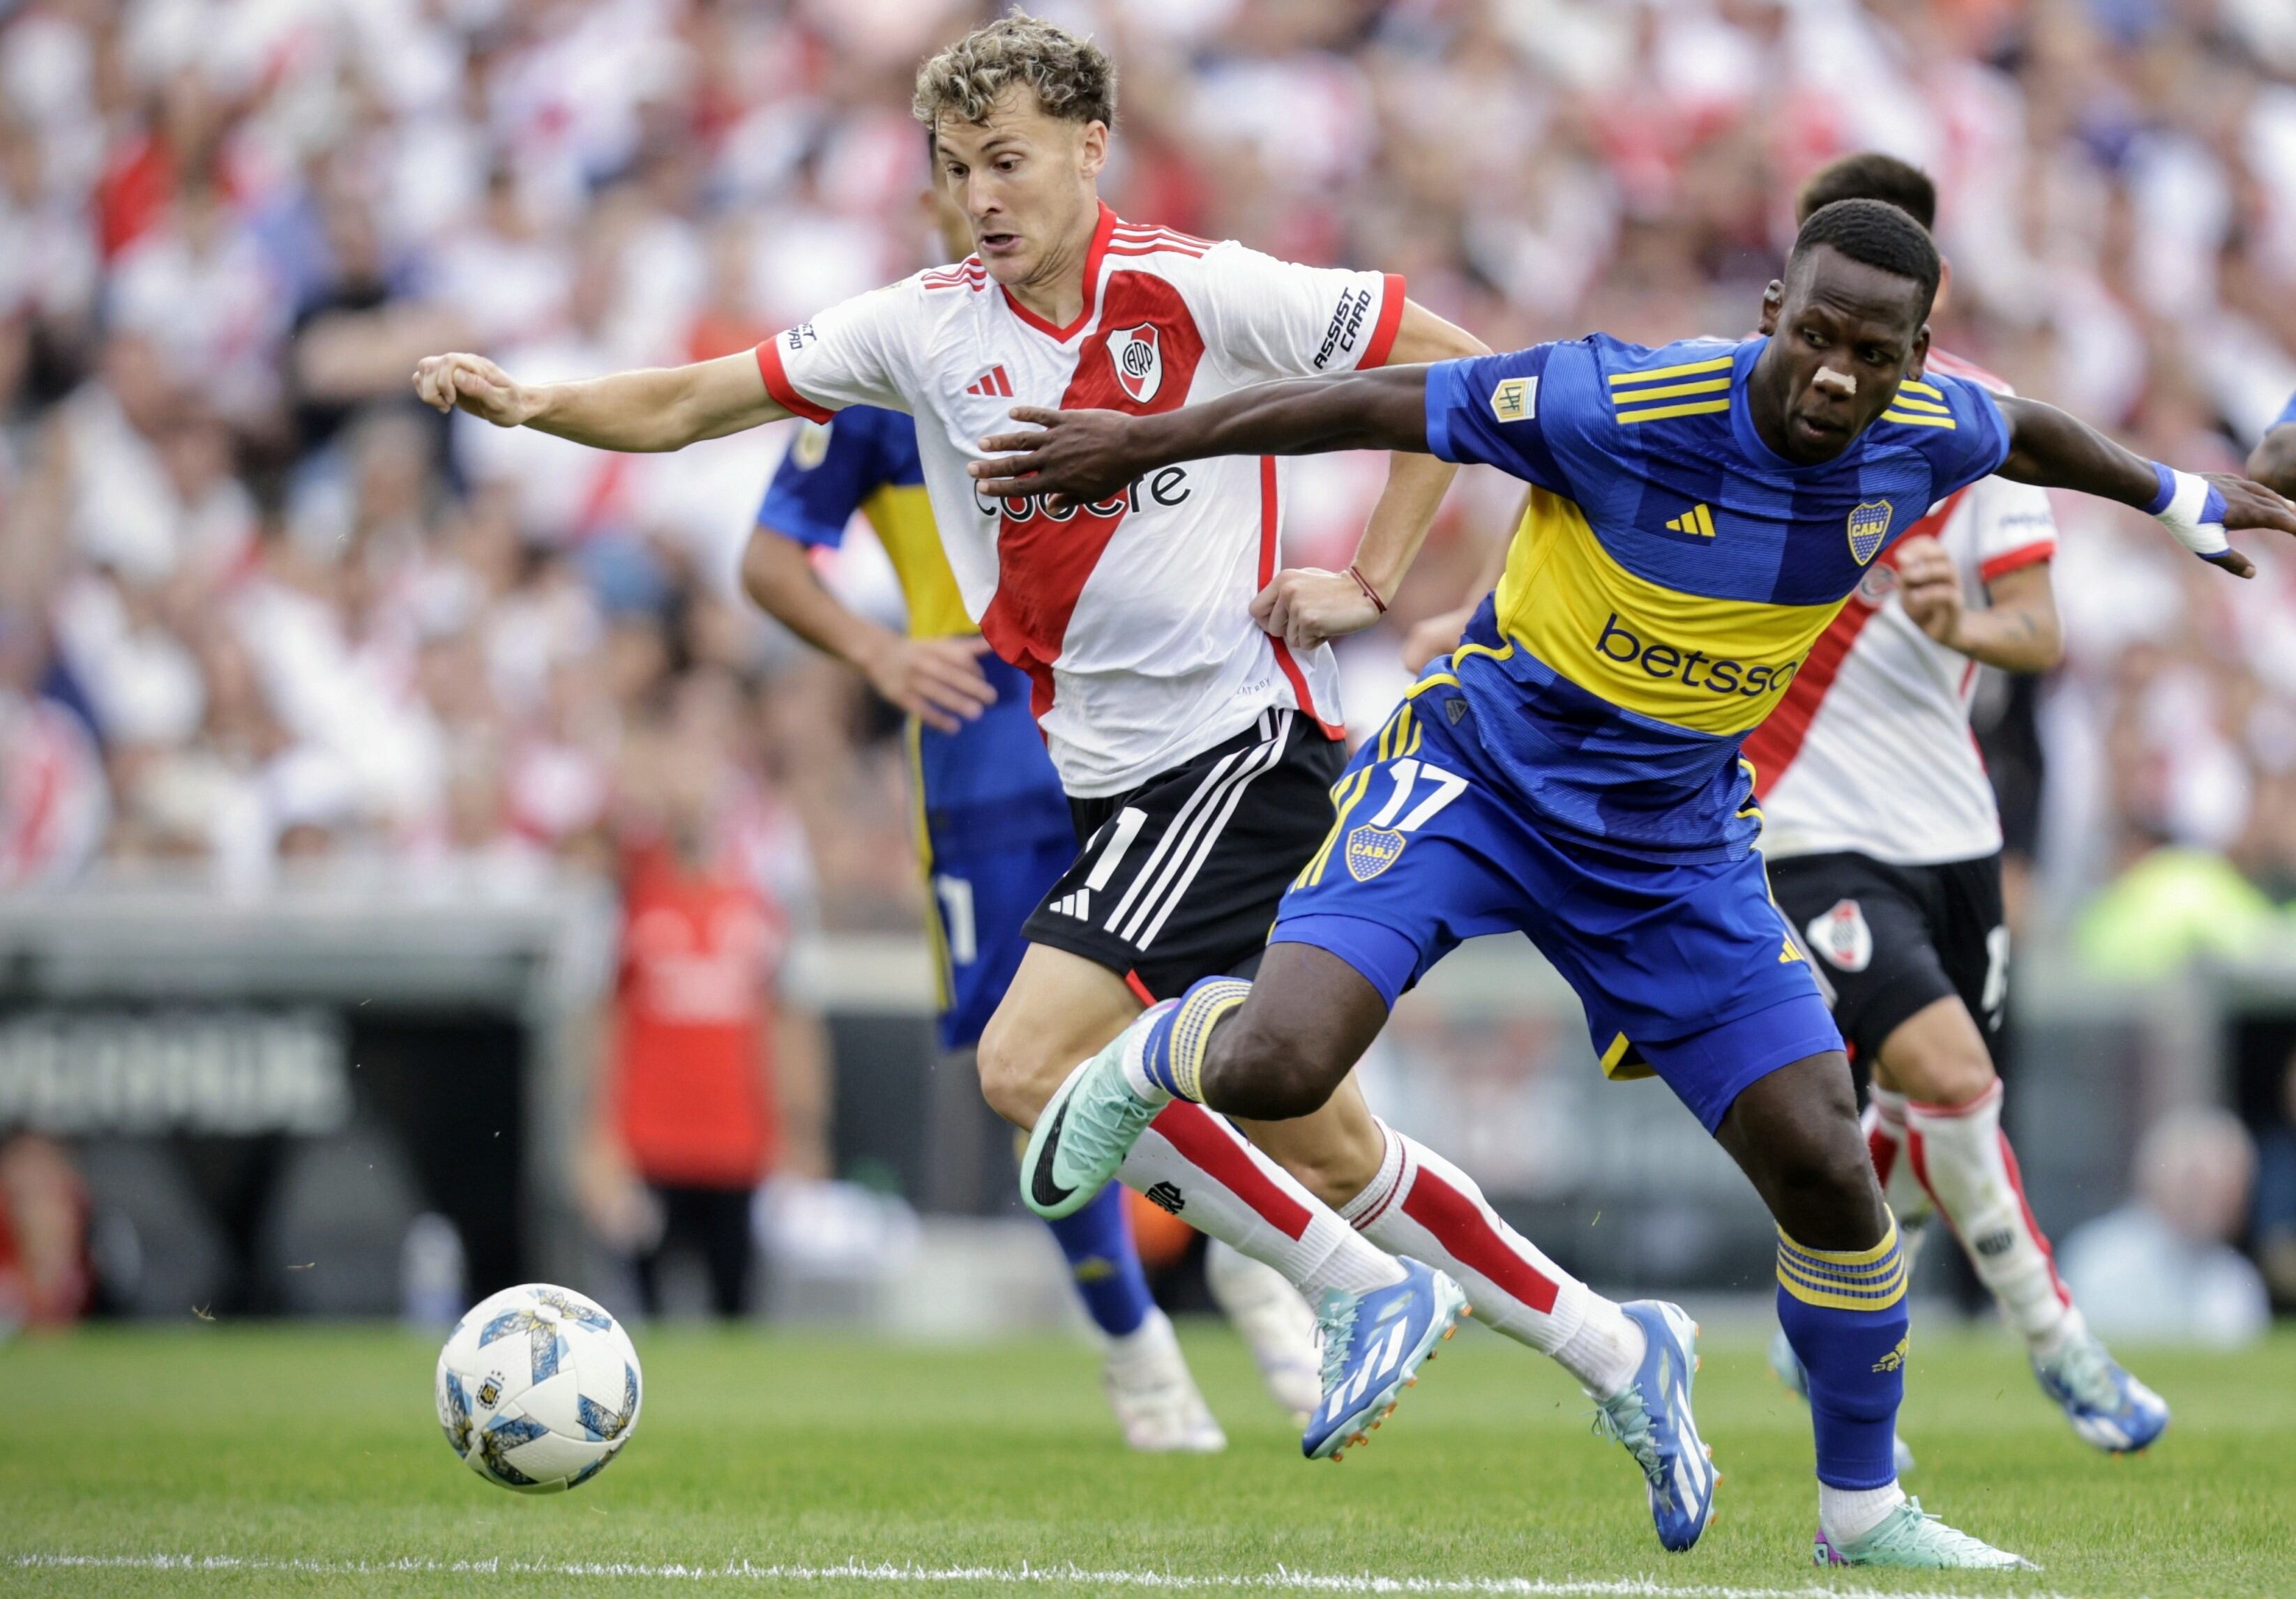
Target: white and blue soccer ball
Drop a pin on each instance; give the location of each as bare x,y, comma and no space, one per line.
538,1388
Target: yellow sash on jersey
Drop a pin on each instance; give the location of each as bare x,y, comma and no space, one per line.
903,519
1710,666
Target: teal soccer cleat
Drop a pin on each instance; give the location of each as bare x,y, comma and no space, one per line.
1372,1346
1788,1365
1651,1416
2107,1405
1911,1540
1088,1127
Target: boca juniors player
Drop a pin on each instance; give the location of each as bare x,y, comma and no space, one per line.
1884,848
1572,771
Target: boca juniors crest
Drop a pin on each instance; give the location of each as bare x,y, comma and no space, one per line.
1842,937
1869,525
1139,361
1371,850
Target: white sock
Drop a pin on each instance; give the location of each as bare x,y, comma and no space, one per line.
1196,1166
1844,1514
1963,1159
1421,1205
1884,1127
1152,1340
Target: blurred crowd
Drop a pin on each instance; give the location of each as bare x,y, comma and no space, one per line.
254,604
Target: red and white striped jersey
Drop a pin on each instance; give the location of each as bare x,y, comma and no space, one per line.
1871,750
1132,616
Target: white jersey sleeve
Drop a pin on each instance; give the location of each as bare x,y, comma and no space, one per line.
2010,525
858,352
1278,319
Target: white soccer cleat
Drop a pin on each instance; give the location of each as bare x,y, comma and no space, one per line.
1275,1323
1155,1398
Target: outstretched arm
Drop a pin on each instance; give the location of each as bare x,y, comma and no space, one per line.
1080,456
2273,465
2050,448
651,409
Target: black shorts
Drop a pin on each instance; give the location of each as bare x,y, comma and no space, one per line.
1180,878
1890,940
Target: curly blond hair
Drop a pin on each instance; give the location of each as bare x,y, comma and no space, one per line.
1072,78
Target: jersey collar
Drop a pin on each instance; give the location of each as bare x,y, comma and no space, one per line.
1092,256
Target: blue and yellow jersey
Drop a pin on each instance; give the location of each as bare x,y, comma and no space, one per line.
867,461
1672,571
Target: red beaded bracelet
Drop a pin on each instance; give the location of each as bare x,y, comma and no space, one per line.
1370,593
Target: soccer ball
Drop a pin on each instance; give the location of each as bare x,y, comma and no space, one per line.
538,1389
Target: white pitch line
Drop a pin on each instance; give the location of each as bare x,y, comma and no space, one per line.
1280,1580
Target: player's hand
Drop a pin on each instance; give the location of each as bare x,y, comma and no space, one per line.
477,385
1438,635
939,681
1929,586
2249,504
1306,606
1076,458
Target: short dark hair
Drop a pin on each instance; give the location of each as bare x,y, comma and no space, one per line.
1877,233
1869,174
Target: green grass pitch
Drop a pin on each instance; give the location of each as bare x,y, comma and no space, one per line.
310,1458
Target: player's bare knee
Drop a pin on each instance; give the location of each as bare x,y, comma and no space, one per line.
1255,1071
1945,1078
1937,1056
1012,1075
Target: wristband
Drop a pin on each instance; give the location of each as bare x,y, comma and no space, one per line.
2192,510
1370,593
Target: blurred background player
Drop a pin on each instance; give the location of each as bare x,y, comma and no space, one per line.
2274,463
1883,841
993,836
714,1081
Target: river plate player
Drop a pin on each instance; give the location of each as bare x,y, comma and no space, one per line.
993,835
1572,771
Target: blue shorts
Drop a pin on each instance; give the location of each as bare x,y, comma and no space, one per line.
1686,971
993,831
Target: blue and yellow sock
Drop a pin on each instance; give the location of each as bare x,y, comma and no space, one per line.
1844,1312
1173,1058
1105,1266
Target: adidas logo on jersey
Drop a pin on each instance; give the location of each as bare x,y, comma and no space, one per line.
991,382
1697,522
1077,905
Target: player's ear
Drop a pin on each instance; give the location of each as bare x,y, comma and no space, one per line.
1917,363
1094,148
1774,299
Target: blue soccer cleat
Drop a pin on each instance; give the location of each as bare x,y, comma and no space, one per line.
1788,1365
2107,1405
1651,1416
1372,1344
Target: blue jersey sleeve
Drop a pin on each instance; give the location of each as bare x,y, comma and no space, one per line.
832,467
1495,410
1973,447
